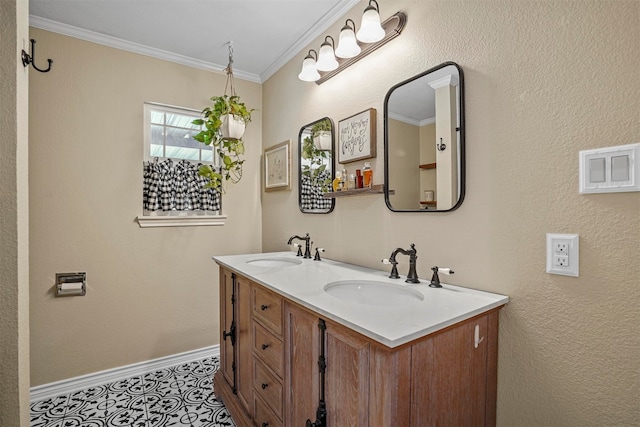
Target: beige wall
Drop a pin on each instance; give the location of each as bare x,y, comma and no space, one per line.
151,292
404,160
14,216
428,155
543,81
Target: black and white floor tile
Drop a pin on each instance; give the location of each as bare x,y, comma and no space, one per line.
178,396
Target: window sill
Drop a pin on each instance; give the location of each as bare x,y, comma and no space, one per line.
180,221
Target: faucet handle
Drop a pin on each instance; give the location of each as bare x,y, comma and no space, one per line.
435,279
299,246
394,270
317,256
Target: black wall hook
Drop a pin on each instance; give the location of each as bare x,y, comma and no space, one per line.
442,146
28,59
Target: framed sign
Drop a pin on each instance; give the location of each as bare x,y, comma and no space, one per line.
277,167
357,137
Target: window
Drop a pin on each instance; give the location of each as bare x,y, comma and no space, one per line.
169,134
173,192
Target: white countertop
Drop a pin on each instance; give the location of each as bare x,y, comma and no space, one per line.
392,326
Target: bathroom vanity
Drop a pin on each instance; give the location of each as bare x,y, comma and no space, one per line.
323,343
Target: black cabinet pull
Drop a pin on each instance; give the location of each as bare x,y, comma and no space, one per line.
265,346
263,307
264,385
265,424
225,335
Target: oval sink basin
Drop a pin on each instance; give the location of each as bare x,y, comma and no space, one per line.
369,292
274,262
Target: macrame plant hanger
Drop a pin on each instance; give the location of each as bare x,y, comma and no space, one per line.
229,86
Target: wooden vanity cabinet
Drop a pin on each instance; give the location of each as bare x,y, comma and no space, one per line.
445,378
235,346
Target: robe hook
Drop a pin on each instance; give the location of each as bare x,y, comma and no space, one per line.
28,59
442,146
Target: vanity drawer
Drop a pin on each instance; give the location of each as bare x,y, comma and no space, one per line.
267,307
268,348
263,416
268,386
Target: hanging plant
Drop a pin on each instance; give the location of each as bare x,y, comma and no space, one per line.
321,133
316,170
224,125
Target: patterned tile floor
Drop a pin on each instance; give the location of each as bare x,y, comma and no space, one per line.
181,395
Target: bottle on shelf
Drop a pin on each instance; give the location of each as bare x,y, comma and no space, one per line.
337,182
367,173
351,183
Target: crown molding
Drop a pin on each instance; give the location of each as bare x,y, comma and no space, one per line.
114,42
410,120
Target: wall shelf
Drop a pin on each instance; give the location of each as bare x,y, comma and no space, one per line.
428,166
376,189
430,203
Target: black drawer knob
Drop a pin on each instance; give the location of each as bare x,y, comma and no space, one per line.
264,385
265,346
263,307
265,424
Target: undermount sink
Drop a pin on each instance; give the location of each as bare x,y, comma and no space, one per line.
369,292
274,262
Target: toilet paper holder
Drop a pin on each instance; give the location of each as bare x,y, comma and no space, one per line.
71,284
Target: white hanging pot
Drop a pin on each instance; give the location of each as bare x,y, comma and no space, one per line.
232,127
322,141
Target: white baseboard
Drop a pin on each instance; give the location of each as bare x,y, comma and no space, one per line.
71,385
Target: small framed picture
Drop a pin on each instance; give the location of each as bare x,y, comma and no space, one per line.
357,137
277,167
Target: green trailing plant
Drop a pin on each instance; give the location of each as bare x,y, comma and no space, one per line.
230,150
317,165
320,126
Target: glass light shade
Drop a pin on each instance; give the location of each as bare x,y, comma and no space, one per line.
370,30
347,44
326,58
309,72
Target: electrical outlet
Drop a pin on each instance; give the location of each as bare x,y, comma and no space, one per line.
563,254
560,246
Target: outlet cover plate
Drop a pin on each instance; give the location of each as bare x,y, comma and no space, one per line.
563,254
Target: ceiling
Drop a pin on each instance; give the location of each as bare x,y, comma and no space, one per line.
265,34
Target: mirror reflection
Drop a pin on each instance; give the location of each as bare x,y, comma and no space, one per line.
315,166
424,141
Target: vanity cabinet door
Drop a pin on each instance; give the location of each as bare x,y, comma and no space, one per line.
452,366
347,377
244,363
346,374
302,349
228,326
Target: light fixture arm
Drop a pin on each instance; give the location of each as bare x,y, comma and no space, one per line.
377,7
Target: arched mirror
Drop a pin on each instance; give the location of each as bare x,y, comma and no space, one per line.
424,167
316,166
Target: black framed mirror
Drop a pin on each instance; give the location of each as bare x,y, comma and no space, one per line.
316,166
424,144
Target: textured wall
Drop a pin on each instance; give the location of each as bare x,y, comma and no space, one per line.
151,292
543,81
14,216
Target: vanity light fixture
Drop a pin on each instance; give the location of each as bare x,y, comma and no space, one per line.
320,72
347,43
309,72
370,29
326,56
